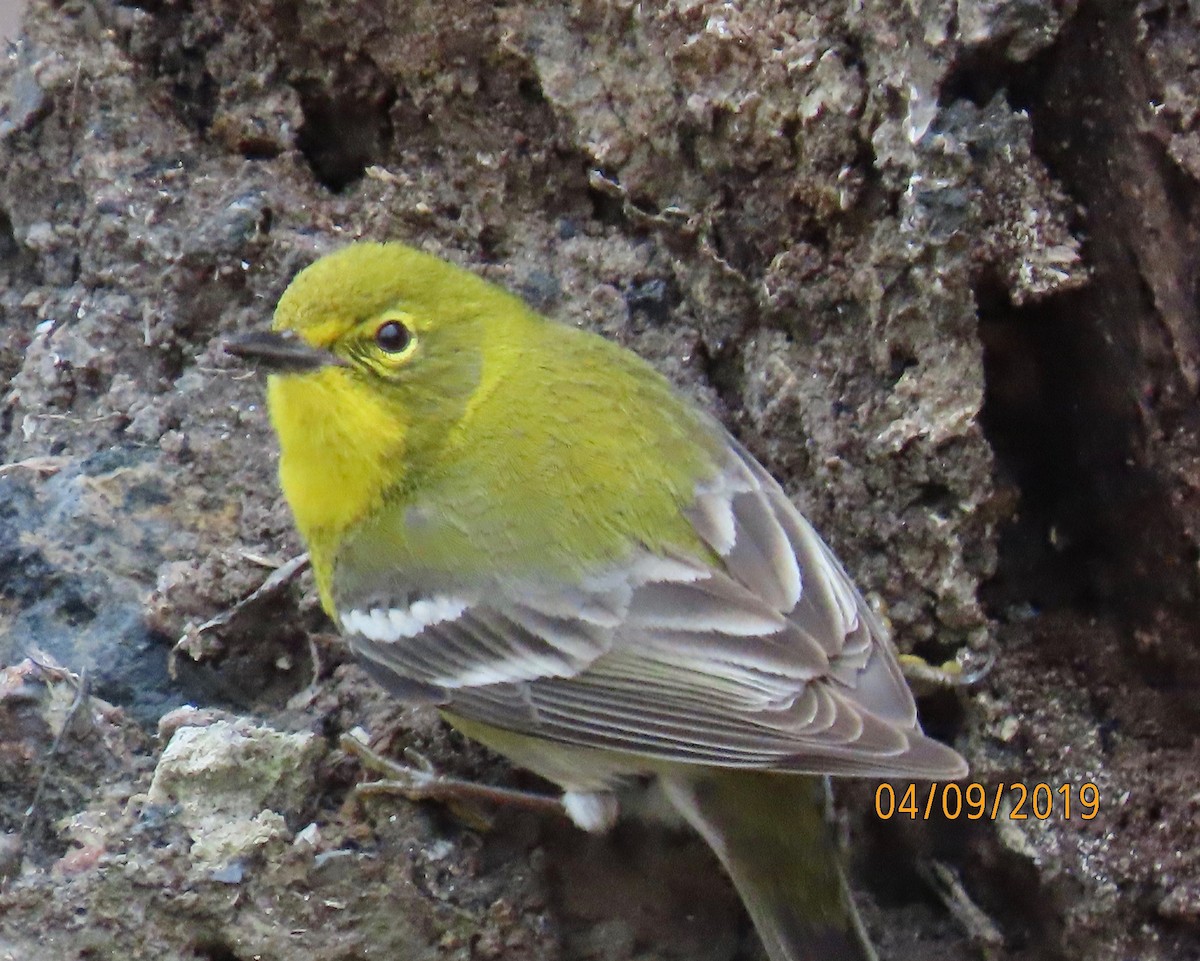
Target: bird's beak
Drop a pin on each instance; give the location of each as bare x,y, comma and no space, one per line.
283,353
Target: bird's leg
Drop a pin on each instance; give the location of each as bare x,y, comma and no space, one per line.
418,781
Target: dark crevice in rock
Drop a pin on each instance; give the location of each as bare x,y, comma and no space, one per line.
17,265
982,71
1036,358
216,950
1093,418
653,298
1027,915
1090,406
1088,401
347,126
176,50
9,248
608,204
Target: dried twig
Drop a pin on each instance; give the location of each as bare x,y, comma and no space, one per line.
78,703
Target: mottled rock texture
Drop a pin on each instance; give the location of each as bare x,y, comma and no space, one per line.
935,263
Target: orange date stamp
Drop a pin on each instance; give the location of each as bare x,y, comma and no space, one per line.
1015,801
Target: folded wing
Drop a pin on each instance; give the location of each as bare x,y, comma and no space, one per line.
769,660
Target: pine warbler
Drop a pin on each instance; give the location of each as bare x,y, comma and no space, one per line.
527,526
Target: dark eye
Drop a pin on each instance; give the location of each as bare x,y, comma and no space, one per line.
392,337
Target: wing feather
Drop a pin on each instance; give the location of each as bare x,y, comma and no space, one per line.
769,659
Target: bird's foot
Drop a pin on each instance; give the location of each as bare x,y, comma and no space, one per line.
959,672
419,781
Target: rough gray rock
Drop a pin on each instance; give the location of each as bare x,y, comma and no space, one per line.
838,225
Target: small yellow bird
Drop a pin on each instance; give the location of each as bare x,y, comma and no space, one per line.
527,526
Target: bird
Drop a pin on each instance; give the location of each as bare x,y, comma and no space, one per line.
526,526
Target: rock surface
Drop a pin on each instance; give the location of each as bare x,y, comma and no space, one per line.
855,231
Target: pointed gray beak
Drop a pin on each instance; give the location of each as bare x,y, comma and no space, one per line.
282,353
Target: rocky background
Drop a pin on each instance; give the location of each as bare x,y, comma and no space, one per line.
935,262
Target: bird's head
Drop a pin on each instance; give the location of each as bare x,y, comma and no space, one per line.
374,354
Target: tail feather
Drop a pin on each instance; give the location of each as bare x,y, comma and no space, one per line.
771,834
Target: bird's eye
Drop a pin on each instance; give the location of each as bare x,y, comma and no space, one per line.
392,337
